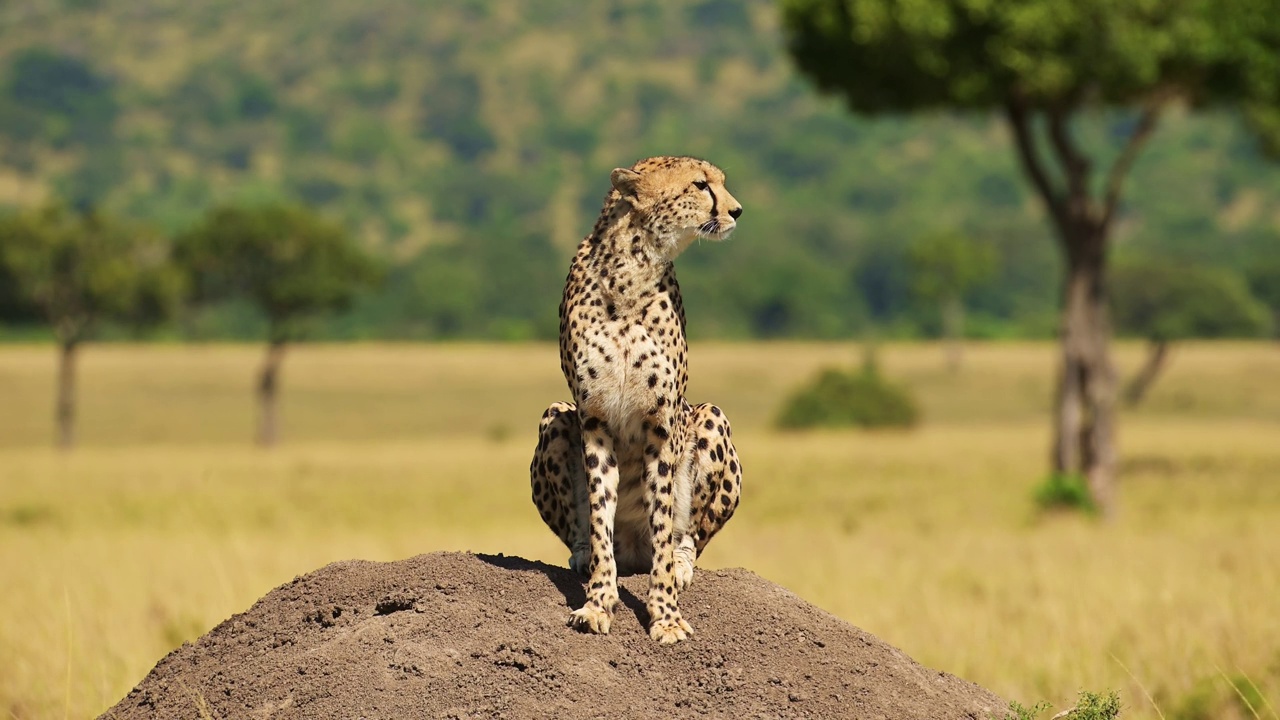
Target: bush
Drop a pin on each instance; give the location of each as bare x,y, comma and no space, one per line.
840,398
1065,491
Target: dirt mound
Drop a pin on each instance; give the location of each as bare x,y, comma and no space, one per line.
452,635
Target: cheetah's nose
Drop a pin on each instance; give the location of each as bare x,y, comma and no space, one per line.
736,212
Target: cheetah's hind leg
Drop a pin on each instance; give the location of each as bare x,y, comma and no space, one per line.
560,483
717,485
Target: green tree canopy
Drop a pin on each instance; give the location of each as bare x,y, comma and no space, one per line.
86,269
287,261
907,55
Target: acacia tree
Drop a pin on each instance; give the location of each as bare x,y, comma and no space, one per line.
290,263
1164,302
945,267
79,271
1043,63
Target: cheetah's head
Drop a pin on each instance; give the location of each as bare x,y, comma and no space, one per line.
678,199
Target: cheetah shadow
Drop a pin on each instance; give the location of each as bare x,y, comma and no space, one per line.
569,583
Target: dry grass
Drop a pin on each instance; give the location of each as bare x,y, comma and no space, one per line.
164,522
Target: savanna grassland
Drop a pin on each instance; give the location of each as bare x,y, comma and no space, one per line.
166,520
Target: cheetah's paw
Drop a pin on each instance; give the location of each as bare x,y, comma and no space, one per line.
671,630
591,618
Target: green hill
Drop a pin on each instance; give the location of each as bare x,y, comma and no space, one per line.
470,142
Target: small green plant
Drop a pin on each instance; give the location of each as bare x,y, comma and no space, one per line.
844,398
1065,491
1093,706
1089,706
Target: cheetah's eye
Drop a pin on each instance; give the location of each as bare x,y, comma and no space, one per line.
700,184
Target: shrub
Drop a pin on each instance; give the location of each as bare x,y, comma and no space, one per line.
1094,706
1089,706
842,398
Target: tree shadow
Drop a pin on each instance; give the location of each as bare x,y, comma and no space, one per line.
570,584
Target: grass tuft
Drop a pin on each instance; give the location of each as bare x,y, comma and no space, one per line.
1065,491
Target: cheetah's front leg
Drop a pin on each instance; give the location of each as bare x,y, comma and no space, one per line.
663,473
601,464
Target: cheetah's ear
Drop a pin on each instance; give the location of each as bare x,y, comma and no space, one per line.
624,181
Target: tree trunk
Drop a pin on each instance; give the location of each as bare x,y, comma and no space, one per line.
1084,429
268,403
65,408
1084,436
1142,382
953,330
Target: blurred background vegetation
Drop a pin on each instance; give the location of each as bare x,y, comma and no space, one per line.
468,148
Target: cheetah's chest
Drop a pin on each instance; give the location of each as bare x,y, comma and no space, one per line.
625,373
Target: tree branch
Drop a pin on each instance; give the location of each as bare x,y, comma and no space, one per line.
1075,165
1115,178
1032,164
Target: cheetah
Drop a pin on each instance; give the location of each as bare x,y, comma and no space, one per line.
630,476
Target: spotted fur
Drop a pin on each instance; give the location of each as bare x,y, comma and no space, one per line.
630,476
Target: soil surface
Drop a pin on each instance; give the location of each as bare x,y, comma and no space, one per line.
452,635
